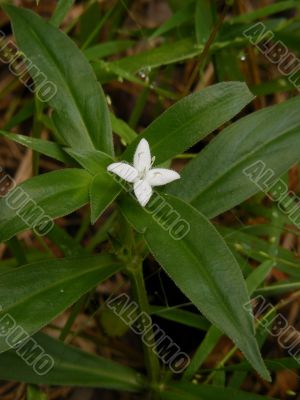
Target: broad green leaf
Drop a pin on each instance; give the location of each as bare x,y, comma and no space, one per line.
213,334
192,118
61,10
214,181
103,189
185,391
72,367
46,288
81,113
52,195
94,161
205,269
50,149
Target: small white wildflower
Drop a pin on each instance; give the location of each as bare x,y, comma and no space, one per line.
141,174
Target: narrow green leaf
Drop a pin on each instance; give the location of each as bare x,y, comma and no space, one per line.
182,317
81,113
50,149
257,277
168,53
207,345
203,20
214,181
184,14
106,49
122,129
46,288
185,391
34,393
205,269
38,200
274,365
25,112
265,11
72,367
277,289
61,10
259,250
192,118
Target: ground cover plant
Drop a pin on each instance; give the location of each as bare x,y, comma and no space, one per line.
149,199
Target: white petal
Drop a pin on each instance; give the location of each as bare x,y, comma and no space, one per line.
124,171
161,176
142,156
143,192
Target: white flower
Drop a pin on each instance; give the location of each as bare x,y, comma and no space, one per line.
141,174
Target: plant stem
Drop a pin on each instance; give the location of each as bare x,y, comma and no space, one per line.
140,294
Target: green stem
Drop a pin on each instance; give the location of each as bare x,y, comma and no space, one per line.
139,291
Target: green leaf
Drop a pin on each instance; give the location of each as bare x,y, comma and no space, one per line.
214,181
206,346
265,11
47,287
103,189
81,113
103,192
185,391
205,269
193,118
282,288
213,334
122,129
203,20
107,49
184,14
259,250
72,367
61,10
94,161
34,393
182,317
257,277
50,195
42,146
168,53
25,112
